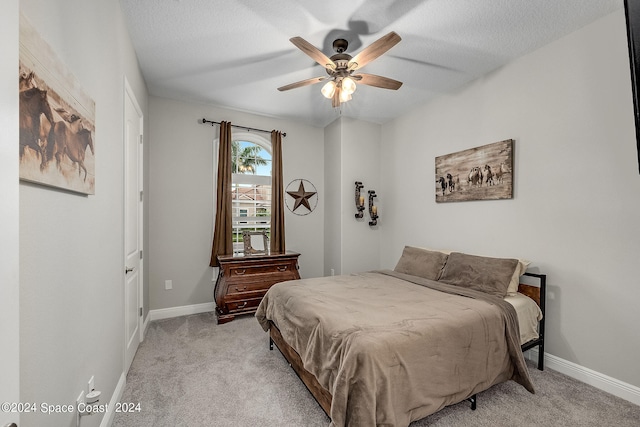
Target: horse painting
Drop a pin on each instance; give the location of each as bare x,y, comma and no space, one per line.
478,173
33,104
443,184
27,81
63,140
488,175
475,176
56,118
451,183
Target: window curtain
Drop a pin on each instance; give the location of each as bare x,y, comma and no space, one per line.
222,233
277,195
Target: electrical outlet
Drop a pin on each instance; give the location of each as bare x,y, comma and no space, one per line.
168,284
91,384
333,272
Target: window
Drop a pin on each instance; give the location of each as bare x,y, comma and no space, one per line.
251,188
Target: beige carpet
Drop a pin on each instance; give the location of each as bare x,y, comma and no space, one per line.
190,371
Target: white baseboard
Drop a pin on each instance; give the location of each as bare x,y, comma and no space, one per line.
166,313
603,382
115,398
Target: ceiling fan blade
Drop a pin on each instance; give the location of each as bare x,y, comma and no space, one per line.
301,83
313,52
374,50
377,81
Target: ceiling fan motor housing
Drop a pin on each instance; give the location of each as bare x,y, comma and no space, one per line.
342,64
340,45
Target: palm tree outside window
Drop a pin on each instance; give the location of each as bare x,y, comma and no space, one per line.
251,188
247,157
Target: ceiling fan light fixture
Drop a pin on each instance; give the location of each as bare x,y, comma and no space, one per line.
345,96
348,85
329,89
341,84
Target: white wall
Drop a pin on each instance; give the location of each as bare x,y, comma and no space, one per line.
360,160
352,153
575,208
9,222
181,197
71,246
333,206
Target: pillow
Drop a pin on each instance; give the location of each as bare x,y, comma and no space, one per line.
485,274
444,251
421,262
523,264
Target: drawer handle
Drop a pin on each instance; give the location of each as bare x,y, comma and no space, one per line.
240,290
243,305
284,268
240,271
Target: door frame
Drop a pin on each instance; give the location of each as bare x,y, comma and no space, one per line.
128,93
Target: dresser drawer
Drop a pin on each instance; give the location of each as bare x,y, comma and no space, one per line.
249,304
253,286
250,270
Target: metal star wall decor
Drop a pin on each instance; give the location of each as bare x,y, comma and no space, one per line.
301,197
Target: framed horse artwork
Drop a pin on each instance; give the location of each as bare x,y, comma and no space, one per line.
480,173
57,119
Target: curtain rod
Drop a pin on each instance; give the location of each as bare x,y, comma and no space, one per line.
284,134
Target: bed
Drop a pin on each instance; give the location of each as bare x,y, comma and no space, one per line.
390,347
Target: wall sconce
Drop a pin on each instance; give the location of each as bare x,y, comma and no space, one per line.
359,200
373,209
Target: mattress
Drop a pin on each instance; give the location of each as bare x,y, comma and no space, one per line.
529,314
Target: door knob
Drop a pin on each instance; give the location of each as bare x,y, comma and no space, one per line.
128,270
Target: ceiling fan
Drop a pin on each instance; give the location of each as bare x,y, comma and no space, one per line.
341,67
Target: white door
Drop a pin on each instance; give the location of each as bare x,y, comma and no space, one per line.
132,225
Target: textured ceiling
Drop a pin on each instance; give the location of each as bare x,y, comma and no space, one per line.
235,54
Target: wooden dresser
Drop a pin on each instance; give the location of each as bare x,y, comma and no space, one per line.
243,281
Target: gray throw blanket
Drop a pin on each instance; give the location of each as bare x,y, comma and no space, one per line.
391,352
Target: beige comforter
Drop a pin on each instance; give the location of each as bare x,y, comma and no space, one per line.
391,351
